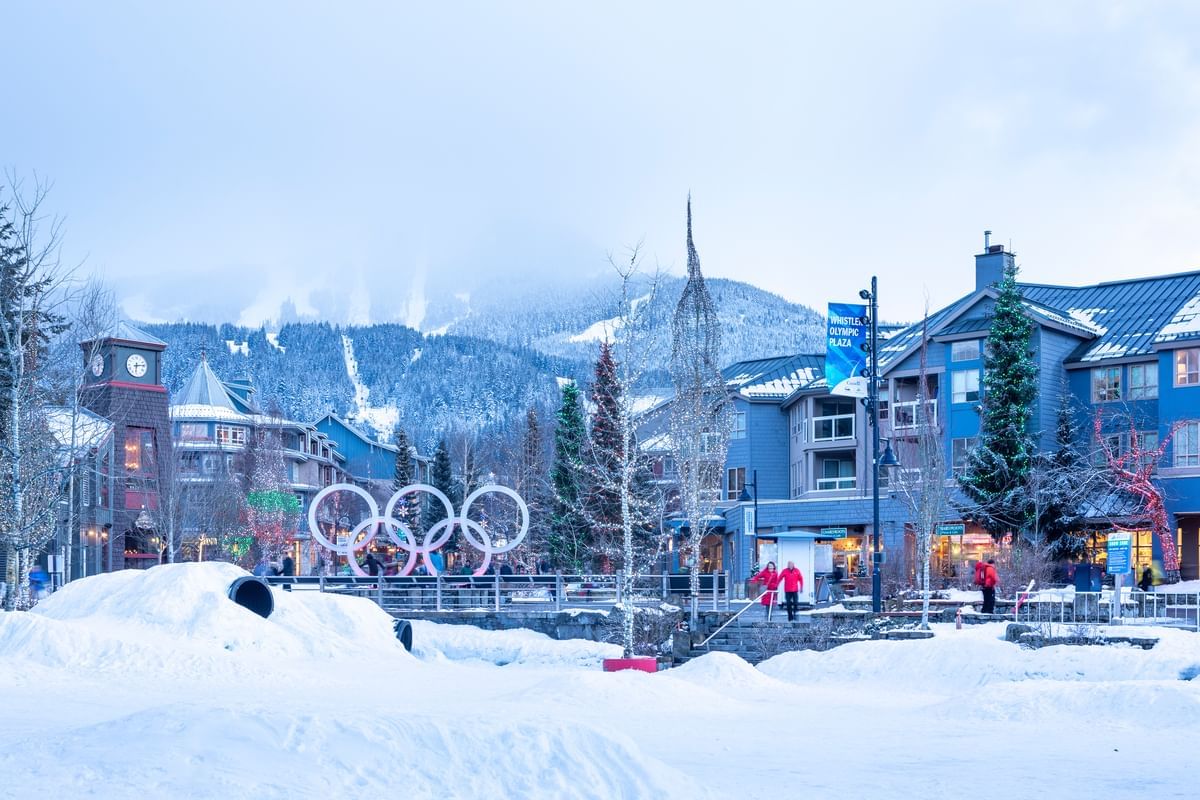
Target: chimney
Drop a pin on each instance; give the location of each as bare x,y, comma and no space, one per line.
991,263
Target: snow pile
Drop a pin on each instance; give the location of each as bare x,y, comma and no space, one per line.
435,642
726,671
268,754
976,656
178,618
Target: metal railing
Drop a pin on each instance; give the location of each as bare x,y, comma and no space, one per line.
907,414
513,593
1094,608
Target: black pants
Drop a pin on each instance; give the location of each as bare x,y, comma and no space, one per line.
791,601
989,600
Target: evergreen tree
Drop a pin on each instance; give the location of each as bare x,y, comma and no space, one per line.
606,450
997,470
441,477
531,485
569,538
408,510
1064,487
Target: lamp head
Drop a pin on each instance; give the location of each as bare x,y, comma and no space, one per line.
745,497
864,294
888,459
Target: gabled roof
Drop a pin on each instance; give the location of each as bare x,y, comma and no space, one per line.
126,331
774,378
1131,316
1114,320
91,430
357,433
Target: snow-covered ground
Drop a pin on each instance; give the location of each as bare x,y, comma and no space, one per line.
152,684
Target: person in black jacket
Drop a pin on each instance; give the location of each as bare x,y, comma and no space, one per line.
1147,580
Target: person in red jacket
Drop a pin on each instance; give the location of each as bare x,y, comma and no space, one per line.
793,584
989,580
769,578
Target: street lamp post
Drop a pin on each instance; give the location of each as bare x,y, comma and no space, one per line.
745,497
888,458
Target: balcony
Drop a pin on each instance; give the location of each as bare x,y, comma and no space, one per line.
836,484
908,415
833,428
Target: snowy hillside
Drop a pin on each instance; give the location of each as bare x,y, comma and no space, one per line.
481,363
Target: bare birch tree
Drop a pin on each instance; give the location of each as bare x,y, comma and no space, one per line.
924,490
621,473
701,414
30,473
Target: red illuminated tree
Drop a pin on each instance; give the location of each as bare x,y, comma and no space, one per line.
1132,469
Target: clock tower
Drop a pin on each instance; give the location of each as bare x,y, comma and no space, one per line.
124,385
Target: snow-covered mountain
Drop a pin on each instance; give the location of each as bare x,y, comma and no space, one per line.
479,361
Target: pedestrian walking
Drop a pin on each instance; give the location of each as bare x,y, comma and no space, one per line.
1147,579
988,581
793,584
769,578
836,577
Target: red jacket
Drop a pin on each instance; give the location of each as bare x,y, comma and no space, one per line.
990,578
793,580
979,570
769,580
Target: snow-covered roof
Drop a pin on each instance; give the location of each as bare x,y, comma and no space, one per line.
90,430
774,378
126,331
1113,320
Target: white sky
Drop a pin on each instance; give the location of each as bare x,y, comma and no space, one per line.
215,158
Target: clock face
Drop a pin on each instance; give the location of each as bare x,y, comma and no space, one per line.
97,365
136,365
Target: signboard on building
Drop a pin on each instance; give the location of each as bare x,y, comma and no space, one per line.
1119,551
955,529
833,533
845,357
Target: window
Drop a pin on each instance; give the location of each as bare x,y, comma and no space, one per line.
834,420
797,478
739,425
1186,445
1116,444
964,386
1143,381
960,449
193,432
139,451
1187,367
231,435
836,473
884,396
1147,443
1106,384
965,351
735,483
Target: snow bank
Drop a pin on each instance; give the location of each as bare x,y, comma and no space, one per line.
978,656
438,642
212,752
726,672
178,618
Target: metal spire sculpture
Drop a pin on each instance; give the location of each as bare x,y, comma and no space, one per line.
701,415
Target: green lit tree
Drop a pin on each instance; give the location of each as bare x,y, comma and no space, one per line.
408,510
997,470
568,537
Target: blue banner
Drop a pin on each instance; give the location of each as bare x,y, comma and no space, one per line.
845,356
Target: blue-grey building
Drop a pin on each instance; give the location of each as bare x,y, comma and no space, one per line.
1128,351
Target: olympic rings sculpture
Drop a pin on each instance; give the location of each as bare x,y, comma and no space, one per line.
404,538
